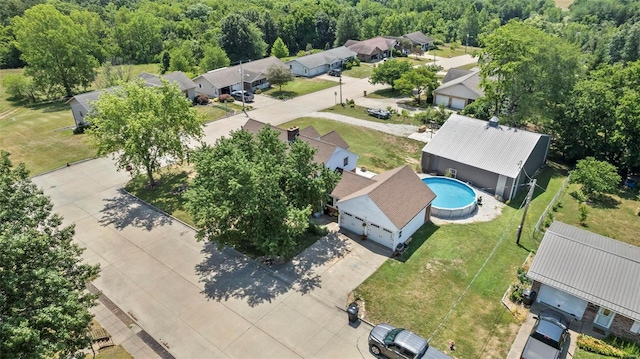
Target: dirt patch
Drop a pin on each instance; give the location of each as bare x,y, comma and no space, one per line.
7,114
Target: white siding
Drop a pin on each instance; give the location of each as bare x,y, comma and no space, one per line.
410,228
203,86
459,91
297,68
337,160
364,208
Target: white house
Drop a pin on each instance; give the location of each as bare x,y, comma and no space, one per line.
248,76
81,104
321,62
387,209
332,149
459,88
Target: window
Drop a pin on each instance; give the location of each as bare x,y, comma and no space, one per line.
200,85
400,234
305,71
635,328
346,161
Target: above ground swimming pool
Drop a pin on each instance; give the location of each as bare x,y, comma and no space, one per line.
455,199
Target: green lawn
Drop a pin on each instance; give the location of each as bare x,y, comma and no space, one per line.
614,216
583,354
116,352
300,86
416,61
378,151
360,72
360,112
419,290
467,67
445,51
385,93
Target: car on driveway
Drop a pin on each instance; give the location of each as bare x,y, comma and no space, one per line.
390,342
548,336
335,72
379,113
237,95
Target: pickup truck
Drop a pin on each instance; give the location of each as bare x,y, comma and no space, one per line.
379,113
548,336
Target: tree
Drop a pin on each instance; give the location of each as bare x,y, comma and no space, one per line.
389,71
56,50
527,73
138,35
595,176
348,26
279,49
214,58
416,82
240,39
19,87
256,193
393,25
325,30
44,305
139,126
278,75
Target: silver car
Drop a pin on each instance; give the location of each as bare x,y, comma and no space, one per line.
398,343
237,95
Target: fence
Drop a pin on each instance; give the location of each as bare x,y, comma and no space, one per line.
563,188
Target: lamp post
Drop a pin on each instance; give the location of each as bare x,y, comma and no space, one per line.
467,44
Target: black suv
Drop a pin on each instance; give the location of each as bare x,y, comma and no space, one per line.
399,343
335,72
548,337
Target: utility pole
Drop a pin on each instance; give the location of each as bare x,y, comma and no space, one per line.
467,45
340,89
532,187
242,85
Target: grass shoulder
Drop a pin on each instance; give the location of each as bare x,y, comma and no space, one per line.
439,265
360,112
363,71
299,87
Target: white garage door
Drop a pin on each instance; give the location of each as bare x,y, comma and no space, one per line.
562,300
457,103
442,100
351,222
380,235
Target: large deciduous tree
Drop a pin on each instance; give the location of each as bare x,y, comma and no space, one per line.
348,26
214,58
140,126
58,52
255,192
389,72
596,177
527,73
138,35
417,82
240,39
44,308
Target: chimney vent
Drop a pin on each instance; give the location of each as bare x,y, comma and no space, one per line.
293,133
494,121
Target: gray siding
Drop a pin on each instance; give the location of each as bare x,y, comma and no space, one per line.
479,178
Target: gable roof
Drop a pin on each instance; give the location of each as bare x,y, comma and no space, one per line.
325,57
473,142
418,37
590,266
399,193
177,77
369,47
469,79
252,71
350,183
324,148
334,137
310,132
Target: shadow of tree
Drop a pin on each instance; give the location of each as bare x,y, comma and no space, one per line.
604,201
230,274
125,210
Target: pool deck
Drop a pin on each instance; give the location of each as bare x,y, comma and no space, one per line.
490,209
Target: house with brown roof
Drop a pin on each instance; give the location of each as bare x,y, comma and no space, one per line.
388,208
376,48
248,76
332,149
592,278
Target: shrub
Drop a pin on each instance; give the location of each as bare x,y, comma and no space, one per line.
201,99
225,98
405,113
516,293
579,196
598,346
351,103
301,53
522,276
584,212
215,99
258,91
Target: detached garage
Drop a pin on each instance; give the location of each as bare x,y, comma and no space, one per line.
459,88
388,208
592,278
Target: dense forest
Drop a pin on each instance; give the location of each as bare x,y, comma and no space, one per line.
571,73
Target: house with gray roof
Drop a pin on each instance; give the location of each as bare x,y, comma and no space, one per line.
376,48
388,208
592,278
81,104
419,39
331,149
459,88
248,76
492,157
321,62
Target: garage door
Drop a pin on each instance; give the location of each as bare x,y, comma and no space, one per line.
351,222
380,235
458,103
562,300
442,100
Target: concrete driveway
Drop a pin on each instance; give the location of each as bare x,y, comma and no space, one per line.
202,303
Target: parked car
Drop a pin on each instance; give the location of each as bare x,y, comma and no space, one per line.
379,113
335,72
548,336
399,343
248,96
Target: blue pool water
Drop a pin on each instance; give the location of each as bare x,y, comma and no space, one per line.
450,193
